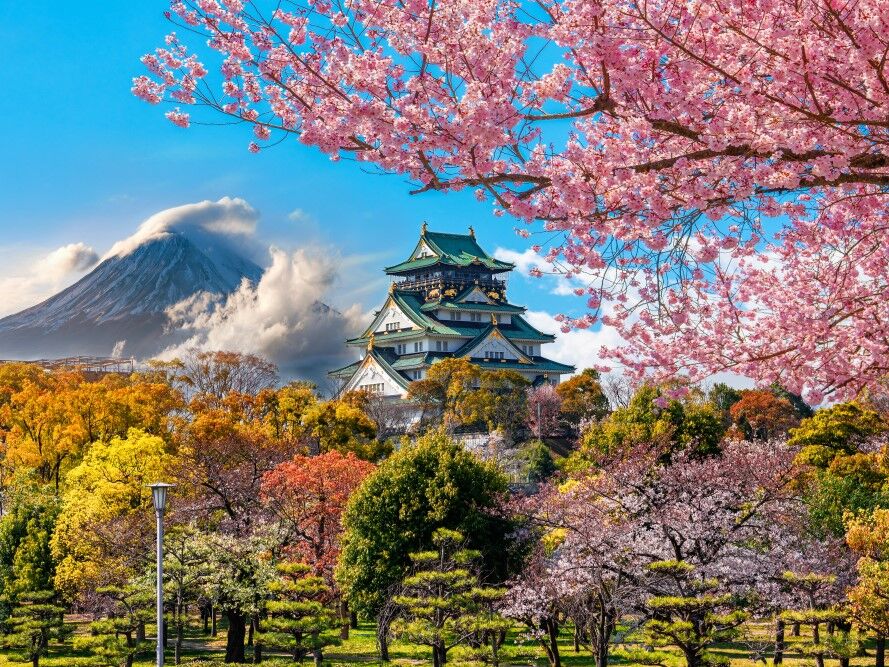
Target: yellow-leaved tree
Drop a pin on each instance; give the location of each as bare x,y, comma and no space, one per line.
104,534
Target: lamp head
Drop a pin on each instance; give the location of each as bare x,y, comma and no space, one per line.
159,495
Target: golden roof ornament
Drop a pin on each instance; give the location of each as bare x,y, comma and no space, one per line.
370,342
471,232
423,229
494,319
392,287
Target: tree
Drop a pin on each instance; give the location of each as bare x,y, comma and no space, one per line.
216,374
26,562
724,217
103,535
812,590
760,414
500,402
338,426
442,602
308,495
838,429
114,641
583,398
868,536
186,570
428,484
298,618
240,573
654,416
544,406
36,620
689,613
443,393
539,464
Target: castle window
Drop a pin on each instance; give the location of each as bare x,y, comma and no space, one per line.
393,326
374,388
418,347
475,317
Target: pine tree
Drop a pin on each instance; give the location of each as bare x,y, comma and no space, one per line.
299,620
812,588
691,615
443,605
114,640
35,621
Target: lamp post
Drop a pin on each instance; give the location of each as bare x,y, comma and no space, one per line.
159,495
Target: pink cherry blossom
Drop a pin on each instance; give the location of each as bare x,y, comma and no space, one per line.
726,160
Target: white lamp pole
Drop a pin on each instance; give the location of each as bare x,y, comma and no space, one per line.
159,495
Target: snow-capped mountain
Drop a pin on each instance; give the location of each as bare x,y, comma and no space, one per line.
119,307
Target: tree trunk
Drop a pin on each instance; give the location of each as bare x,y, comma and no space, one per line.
178,650
816,640
779,642
234,643
140,631
383,620
257,645
344,619
353,619
250,633
35,661
881,652
318,656
213,621
795,631
166,635
551,645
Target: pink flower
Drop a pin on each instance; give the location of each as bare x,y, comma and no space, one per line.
178,118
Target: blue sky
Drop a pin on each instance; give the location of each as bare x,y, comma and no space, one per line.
84,161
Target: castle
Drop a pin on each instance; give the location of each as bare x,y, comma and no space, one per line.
448,299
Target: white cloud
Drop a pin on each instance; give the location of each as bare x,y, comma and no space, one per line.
553,277
579,347
67,259
229,217
282,318
34,276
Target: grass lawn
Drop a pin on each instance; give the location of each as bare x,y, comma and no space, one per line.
360,649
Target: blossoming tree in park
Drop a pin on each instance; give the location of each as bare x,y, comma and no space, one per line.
713,173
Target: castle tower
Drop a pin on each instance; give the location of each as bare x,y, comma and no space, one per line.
448,299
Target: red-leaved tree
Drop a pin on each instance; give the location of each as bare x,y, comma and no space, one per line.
712,174
308,495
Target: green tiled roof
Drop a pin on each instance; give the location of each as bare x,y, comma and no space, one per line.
541,364
450,304
412,305
458,250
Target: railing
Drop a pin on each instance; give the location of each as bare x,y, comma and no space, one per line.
458,282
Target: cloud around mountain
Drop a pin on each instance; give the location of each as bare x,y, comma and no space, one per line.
229,220
283,317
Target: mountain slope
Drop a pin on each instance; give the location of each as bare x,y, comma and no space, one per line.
124,299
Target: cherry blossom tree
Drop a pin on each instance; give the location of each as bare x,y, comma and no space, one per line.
715,172
726,520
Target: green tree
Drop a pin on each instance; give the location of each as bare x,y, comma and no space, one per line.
186,569
240,574
115,640
538,461
35,621
500,402
809,589
835,430
299,620
26,562
583,398
429,484
689,613
442,603
851,484
652,416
